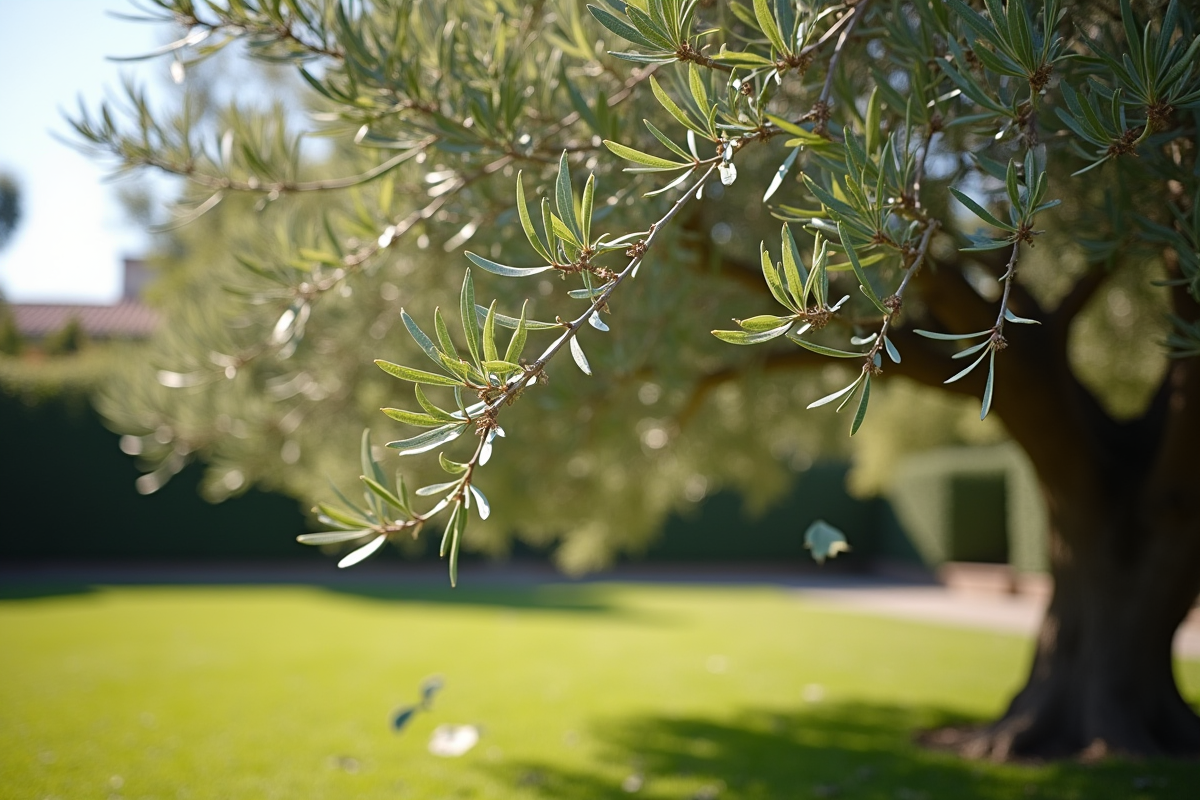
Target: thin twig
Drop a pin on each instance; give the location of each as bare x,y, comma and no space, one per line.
516,385
834,57
284,187
909,274
1009,274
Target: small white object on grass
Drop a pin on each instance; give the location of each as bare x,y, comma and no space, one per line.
814,693
451,741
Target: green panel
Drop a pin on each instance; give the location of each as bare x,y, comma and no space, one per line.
722,530
978,518
69,495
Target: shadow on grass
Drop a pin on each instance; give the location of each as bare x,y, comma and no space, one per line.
847,750
531,597
19,590
569,599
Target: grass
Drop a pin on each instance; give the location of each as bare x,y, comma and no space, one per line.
702,691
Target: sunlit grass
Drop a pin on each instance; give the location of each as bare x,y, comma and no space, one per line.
285,692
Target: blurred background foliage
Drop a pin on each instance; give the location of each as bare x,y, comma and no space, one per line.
264,368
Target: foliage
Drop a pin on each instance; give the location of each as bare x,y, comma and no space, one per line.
10,208
901,145
11,342
70,338
35,379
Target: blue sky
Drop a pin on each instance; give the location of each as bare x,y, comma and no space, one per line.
73,234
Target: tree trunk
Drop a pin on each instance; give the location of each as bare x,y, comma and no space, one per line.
1124,511
1101,680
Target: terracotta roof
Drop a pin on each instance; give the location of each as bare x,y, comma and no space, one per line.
128,319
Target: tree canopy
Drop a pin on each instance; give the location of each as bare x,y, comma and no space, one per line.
1000,200
860,132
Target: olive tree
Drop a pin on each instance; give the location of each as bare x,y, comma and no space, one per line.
952,187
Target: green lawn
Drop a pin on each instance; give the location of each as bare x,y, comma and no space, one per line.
706,691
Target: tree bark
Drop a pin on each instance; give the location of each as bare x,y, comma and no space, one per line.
1124,511
1101,680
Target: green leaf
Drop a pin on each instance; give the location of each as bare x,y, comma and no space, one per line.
337,516
861,413
793,268
585,213
448,533
675,111
466,302
419,337
666,141
548,226
873,127
1133,37
502,269
827,199
950,337
580,359
363,552
489,335
411,417
436,488
505,321
772,278
806,137
824,540
698,89
516,345
431,409
987,389
414,375
332,537
455,539
645,159
1011,317
780,174
829,398
649,28
825,351
368,463
968,369
819,275
452,467
863,283
1011,184
501,368
975,21
527,223
745,337
892,352
620,27
482,506
762,322
429,440
742,59
766,21
564,198
384,493
980,211
563,232
443,333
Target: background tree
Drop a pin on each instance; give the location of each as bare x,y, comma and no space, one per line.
917,153
10,208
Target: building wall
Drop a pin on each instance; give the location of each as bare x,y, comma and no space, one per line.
922,496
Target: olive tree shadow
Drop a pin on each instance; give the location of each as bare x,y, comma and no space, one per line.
836,750
533,596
